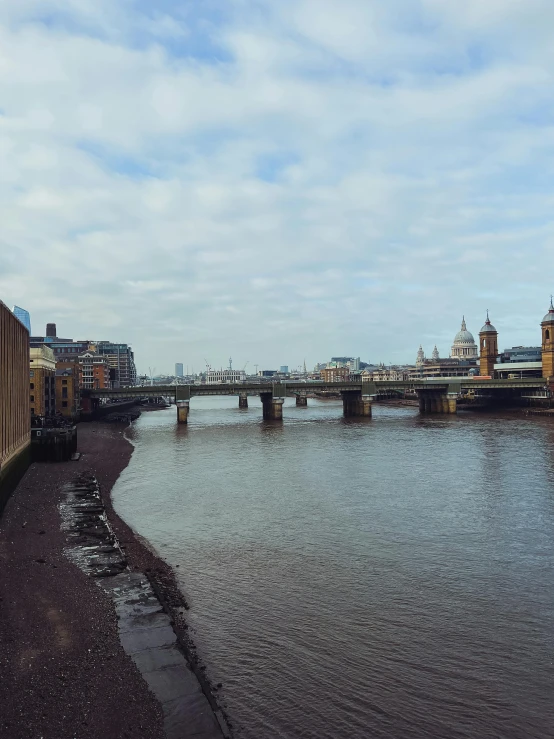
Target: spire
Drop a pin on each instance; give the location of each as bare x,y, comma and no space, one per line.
488,322
464,327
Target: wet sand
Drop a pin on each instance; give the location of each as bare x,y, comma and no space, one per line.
64,671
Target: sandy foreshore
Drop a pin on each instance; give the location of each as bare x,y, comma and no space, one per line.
64,673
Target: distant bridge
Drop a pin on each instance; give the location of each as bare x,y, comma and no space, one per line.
436,395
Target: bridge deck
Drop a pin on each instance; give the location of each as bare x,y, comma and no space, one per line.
443,384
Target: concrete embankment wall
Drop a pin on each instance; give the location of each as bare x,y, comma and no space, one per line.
15,409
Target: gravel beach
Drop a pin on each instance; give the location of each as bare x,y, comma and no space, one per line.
63,670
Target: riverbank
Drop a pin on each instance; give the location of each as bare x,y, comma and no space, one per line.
64,671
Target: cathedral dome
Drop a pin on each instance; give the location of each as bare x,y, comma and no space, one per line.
464,336
464,346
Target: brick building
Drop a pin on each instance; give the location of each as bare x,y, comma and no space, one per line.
67,391
94,371
335,374
42,377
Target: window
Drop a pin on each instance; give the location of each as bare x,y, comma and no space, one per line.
64,392
547,334
32,386
33,411
64,404
32,398
64,382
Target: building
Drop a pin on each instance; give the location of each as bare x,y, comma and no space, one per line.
15,416
67,391
94,371
547,328
225,376
23,316
464,346
284,369
461,363
335,374
121,360
449,367
178,369
386,373
42,377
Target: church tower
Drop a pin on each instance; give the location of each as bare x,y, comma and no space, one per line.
420,357
547,326
488,349
435,354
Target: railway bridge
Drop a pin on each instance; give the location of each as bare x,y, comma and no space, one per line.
437,395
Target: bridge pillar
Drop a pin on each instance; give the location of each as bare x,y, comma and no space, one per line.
272,407
301,401
182,411
356,405
430,402
243,400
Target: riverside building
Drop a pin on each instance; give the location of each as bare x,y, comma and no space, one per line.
225,376
15,412
42,386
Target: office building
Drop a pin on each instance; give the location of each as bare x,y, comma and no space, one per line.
22,315
178,369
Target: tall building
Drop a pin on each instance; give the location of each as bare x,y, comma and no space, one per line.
23,316
547,326
15,418
488,347
178,369
42,390
464,346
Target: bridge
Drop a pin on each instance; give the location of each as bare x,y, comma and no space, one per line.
436,395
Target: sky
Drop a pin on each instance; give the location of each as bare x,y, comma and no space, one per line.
277,181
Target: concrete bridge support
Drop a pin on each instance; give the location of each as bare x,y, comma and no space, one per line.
272,407
301,401
243,400
182,411
437,403
356,405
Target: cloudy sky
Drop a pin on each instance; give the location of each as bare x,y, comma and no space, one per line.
277,180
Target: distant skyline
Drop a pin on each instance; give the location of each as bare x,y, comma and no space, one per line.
277,181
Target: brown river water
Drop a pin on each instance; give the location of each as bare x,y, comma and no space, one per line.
386,577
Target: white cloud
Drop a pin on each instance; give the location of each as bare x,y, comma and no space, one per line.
342,177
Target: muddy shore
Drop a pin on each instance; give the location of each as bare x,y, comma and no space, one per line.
64,671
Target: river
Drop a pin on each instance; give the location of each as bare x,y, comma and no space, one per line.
386,577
